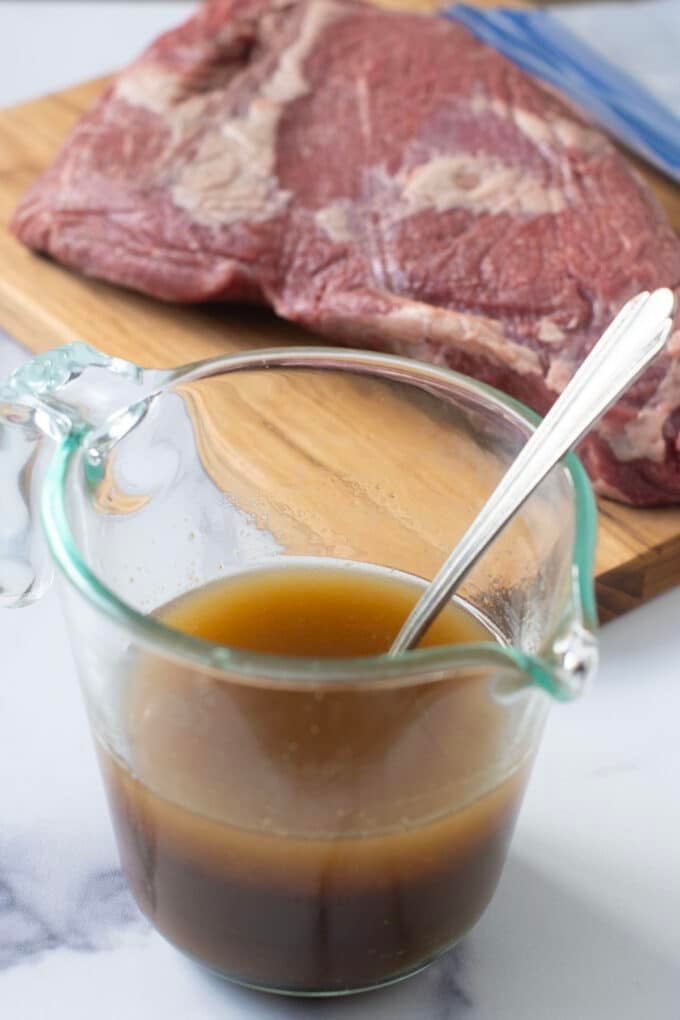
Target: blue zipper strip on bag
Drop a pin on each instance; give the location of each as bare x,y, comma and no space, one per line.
538,43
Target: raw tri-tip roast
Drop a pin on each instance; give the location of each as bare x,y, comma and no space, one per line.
387,181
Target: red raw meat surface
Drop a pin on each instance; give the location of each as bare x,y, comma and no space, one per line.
387,181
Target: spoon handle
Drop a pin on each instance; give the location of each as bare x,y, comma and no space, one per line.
624,350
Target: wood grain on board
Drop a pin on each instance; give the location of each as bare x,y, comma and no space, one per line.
44,305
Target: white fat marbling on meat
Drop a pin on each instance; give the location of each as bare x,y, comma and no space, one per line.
558,131
149,86
551,131
231,175
288,81
643,436
575,136
363,108
559,374
484,104
549,332
413,322
333,220
478,183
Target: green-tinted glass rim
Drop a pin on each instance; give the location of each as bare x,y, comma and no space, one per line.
262,668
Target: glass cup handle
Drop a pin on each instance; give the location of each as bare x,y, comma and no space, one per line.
25,567
39,405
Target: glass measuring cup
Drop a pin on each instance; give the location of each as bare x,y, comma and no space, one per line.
151,483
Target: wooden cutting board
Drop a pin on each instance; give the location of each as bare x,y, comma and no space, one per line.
44,305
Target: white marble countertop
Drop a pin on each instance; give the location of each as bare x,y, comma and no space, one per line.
585,924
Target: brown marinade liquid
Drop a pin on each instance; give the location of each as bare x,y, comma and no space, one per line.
319,840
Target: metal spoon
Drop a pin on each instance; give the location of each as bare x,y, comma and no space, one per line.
624,350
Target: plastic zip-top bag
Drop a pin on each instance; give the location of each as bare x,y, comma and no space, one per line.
635,105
